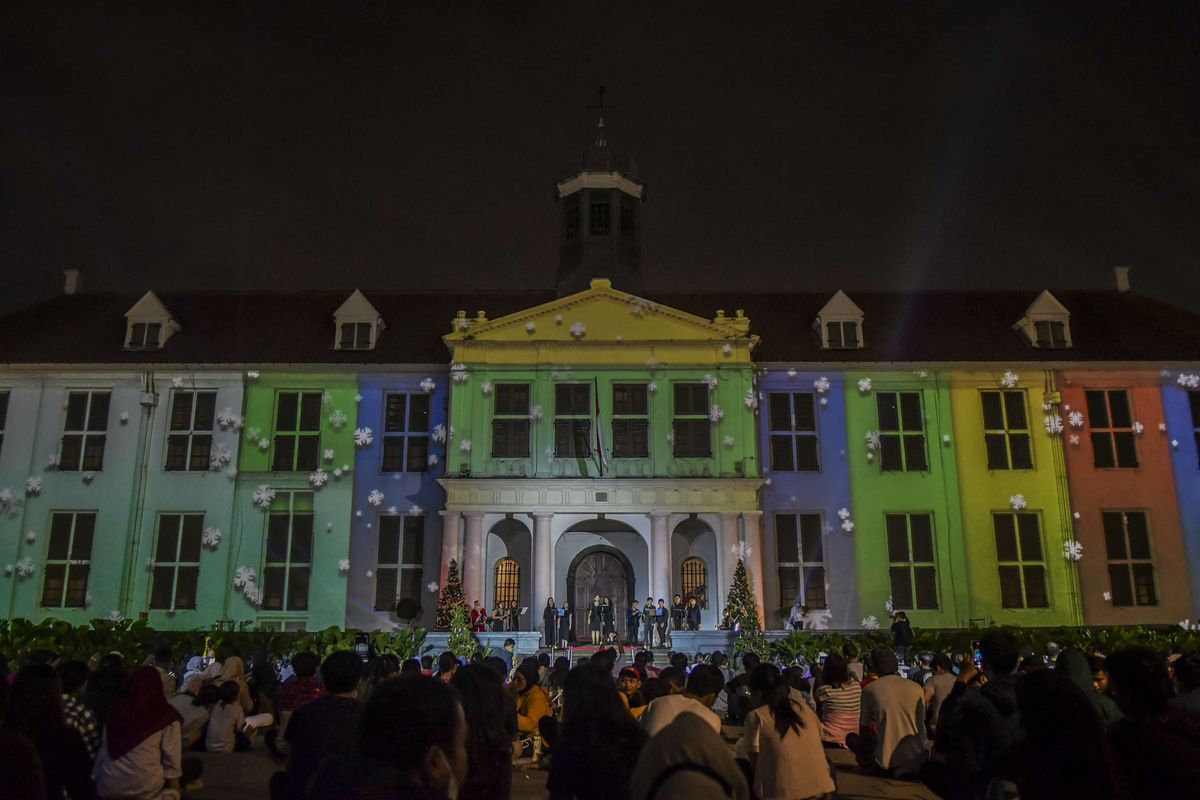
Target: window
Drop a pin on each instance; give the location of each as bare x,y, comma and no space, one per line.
356,336
901,432
400,560
571,219
841,335
1021,562
628,217
297,432
631,420
176,561
288,565
508,584
801,559
912,564
406,433
793,420
190,438
694,581
510,421
572,420
1050,334
84,431
1194,397
3,417
598,210
68,559
690,428
1006,430
144,336
1111,422
1130,565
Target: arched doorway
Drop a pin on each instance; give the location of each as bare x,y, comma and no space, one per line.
600,571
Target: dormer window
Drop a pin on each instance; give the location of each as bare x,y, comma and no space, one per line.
357,324
839,324
149,324
1046,324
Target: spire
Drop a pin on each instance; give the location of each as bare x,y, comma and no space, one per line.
601,137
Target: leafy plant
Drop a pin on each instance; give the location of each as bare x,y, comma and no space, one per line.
461,641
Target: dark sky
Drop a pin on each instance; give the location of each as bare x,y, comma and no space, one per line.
174,145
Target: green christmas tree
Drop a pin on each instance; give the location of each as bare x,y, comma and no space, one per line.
743,615
451,599
461,641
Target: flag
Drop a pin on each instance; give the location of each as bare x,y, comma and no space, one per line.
601,456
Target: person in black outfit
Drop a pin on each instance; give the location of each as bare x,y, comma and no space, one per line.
662,618
902,635
632,620
491,728
34,711
678,613
693,615
607,627
648,622
595,619
598,743
566,630
550,622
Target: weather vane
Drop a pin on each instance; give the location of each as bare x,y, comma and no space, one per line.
600,106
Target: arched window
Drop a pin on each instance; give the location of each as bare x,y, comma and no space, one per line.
508,583
695,581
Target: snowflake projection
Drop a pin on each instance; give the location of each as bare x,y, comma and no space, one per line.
253,433
843,513
751,400
824,402
264,444
177,382
88,477
465,446
1073,439
727,441
864,386
116,616
889,606
1075,419
818,619
432,460
530,326
9,504
25,567
358,398
715,414
641,306
1076,515
727,349
344,566
670,437
33,484
1188,381
327,454
558,319
535,413
1046,406
486,387
52,461
847,525
427,385
1107,597
363,436
124,418
244,576
821,385
375,498
652,387
264,495
1009,379
228,420
31,537
252,375
870,623
211,537
432,586
337,420
1175,444
439,433
873,440
327,398
458,373
337,473
318,478
253,595
1162,427
1138,427
219,456
710,381
1054,424
791,373
578,329
766,481
945,438
1073,550
393,510
1017,501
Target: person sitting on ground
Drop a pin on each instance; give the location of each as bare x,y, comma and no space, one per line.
164,662
73,675
378,670
598,743
410,744
1074,664
629,685
674,681
195,666
411,666
491,730
105,686
25,783
34,711
321,728
142,749
225,722
703,684
782,740
937,688
738,691
195,704
303,689
234,671
839,700
924,668
687,760
543,659
891,737
427,666
855,667
1187,685
532,701
447,663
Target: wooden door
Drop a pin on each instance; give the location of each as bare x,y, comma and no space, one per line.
600,574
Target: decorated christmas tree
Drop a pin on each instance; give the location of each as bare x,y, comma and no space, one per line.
743,615
461,641
451,599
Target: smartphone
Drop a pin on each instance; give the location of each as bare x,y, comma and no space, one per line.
976,655
362,646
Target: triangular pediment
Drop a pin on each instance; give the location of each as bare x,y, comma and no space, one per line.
840,307
148,307
356,308
1046,305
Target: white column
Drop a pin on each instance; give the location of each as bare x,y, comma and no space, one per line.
543,570
754,557
451,523
727,557
660,556
472,560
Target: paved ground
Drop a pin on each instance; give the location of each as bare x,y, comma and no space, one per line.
244,776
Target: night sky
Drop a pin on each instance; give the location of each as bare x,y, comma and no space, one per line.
801,146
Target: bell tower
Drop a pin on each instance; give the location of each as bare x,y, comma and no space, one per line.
600,215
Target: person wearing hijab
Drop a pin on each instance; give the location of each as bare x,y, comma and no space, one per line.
687,759
1074,665
234,670
532,701
195,667
140,753
34,711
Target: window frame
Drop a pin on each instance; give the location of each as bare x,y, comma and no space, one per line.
357,329
793,434
1052,326
911,565
599,223
1112,435
406,436
1128,564
177,564
408,524
70,563
192,461
806,571
512,420
85,434
901,434
294,505
1021,564
841,341
506,586
1007,431
144,335
690,422
298,435
578,425
625,424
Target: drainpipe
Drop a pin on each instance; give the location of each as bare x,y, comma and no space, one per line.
148,402
1066,522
